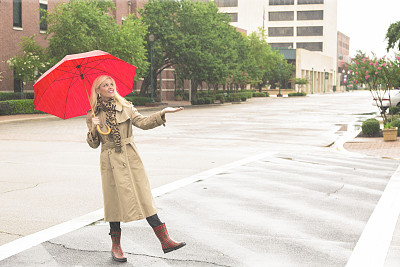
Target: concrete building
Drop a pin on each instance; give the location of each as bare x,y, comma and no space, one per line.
309,27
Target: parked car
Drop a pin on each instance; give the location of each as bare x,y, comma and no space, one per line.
394,99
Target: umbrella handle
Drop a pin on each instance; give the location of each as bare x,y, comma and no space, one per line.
104,133
99,130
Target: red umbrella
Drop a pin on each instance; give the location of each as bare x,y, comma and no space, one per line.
64,89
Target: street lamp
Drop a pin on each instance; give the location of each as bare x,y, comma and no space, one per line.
151,41
312,79
344,79
280,80
324,78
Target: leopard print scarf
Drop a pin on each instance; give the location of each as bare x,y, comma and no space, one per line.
109,108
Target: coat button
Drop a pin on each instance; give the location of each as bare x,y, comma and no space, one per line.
112,167
124,164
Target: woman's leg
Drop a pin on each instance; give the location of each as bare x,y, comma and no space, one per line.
154,221
161,232
116,250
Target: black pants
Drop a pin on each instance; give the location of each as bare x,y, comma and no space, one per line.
153,220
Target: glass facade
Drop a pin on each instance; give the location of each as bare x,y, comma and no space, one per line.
281,16
42,13
310,15
281,2
17,13
226,3
281,45
310,31
280,31
309,2
234,17
311,46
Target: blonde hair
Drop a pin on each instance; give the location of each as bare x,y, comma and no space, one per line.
96,84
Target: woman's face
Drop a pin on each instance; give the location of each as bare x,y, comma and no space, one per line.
106,89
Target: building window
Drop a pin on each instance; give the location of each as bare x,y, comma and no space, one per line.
309,2
310,31
42,15
281,16
234,17
280,31
310,15
281,2
281,45
317,46
226,3
17,13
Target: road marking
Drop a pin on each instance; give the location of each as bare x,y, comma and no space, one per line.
24,243
374,243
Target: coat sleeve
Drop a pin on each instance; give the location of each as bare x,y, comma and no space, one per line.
92,137
147,122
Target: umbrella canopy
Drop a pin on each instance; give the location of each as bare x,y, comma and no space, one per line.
64,89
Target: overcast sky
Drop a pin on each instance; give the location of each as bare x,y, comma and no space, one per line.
366,23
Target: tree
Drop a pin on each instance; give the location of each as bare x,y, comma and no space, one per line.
380,74
194,38
30,64
393,36
84,25
272,67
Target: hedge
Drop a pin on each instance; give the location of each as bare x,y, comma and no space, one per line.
138,100
297,94
260,94
18,106
12,96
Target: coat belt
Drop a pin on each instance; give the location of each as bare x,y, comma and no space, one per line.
110,145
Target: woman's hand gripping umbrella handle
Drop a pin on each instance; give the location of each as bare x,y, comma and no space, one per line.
96,121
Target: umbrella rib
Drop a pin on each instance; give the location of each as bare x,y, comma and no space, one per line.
71,83
113,77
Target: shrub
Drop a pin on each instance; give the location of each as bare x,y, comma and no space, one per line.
243,98
19,106
259,94
396,123
297,94
12,96
138,100
394,110
371,127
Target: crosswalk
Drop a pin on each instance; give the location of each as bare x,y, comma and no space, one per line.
285,209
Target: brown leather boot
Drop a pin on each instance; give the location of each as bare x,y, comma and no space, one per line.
167,243
116,250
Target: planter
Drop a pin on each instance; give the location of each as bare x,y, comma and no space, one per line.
390,134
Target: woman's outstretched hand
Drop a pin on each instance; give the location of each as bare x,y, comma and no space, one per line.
170,110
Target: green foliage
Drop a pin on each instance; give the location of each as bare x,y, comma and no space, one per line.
271,65
394,110
196,39
83,25
396,123
138,100
379,74
300,81
393,36
297,94
371,127
30,63
11,95
20,106
260,94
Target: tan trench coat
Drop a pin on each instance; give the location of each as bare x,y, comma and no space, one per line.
126,189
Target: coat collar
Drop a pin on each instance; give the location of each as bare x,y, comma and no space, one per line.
118,106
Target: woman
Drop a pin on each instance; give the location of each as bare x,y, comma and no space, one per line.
126,190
